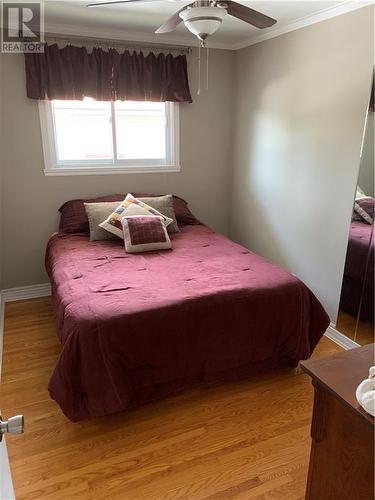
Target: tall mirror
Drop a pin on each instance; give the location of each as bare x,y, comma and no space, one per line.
356,310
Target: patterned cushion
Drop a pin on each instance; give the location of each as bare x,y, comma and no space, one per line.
364,216
130,206
145,233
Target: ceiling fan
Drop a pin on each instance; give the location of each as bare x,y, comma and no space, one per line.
204,17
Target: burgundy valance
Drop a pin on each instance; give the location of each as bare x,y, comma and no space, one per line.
72,73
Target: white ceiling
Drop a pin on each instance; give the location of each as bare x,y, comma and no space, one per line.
137,21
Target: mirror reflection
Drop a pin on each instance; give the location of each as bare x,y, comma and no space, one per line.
356,310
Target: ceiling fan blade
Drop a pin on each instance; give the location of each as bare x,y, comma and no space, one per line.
102,4
248,15
172,23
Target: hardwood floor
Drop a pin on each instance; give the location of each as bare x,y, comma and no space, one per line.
247,440
346,324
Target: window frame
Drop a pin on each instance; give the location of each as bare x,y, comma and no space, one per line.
87,167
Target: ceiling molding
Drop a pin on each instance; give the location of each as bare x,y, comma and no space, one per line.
132,36
123,35
323,15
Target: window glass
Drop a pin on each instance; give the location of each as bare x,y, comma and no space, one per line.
83,130
140,130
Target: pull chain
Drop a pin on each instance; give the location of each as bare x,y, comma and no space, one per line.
202,44
199,70
207,68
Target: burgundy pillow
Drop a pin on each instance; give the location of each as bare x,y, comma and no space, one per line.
143,230
145,233
182,211
73,217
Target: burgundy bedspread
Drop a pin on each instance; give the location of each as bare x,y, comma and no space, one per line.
357,257
135,328
359,267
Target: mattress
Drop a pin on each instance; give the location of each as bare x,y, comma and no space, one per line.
136,328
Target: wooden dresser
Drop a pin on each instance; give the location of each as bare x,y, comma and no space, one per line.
342,450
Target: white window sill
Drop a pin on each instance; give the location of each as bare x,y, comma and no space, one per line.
109,170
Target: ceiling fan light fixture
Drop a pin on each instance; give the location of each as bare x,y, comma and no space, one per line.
203,21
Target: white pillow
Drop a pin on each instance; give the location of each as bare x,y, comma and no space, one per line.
130,206
145,233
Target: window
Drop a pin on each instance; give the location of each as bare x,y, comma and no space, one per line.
86,137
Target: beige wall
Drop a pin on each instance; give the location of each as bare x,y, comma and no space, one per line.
366,171
31,200
301,104
1,171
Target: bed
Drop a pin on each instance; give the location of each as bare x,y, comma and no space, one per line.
359,267
137,328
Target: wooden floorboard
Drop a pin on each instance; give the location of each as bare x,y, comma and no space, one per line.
247,440
363,334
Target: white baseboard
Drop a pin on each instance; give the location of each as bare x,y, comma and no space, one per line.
339,338
26,292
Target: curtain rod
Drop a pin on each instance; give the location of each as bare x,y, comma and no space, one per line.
109,44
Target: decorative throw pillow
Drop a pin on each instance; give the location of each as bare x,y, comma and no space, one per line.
362,213
145,233
164,204
130,206
96,213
